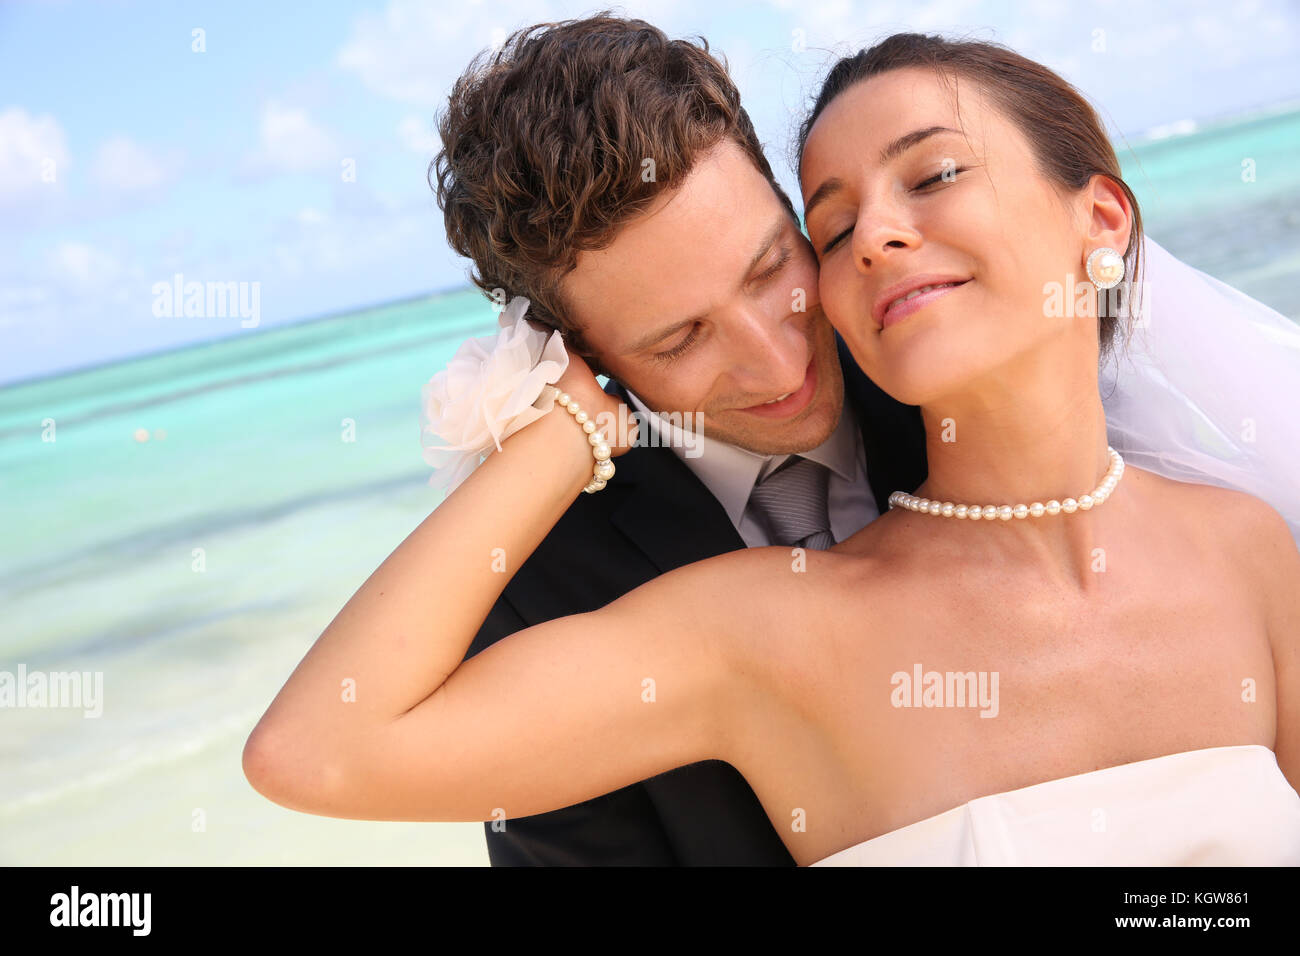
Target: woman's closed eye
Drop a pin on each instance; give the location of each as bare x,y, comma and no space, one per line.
947,175
834,242
951,174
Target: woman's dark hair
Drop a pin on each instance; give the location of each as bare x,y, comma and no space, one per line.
1064,131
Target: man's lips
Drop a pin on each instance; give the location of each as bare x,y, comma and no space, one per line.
793,402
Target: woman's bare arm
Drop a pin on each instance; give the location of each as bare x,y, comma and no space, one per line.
381,720
548,717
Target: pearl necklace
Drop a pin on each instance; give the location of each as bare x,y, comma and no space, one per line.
946,509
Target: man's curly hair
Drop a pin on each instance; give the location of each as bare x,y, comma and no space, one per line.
554,142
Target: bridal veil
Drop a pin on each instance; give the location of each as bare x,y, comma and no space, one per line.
1206,386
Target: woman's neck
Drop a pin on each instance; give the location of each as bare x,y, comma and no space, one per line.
1012,456
1030,434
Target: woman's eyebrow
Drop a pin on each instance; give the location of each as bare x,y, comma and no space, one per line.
825,191
908,140
891,151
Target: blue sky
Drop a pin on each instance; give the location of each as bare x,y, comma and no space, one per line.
126,156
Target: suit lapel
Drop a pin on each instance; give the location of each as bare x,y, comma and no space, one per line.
656,483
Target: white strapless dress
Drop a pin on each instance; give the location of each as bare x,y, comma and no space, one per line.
1222,806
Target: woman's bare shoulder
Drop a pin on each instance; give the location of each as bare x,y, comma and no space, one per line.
760,603
763,588
1230,517
740,598
1235,529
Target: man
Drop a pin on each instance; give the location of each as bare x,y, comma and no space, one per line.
610,175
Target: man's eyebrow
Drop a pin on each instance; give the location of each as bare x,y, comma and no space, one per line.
892,151
773,235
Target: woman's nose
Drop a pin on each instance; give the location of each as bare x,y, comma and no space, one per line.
881,233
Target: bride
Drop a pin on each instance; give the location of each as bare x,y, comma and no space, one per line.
1133,641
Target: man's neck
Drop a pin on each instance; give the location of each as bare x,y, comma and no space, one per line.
729,471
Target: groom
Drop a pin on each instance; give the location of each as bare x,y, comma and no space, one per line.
610,175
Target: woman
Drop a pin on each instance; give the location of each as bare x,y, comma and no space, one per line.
1138,653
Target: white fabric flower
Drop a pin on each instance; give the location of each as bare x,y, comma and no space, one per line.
486,393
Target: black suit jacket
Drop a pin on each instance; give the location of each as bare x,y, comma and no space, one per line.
654,516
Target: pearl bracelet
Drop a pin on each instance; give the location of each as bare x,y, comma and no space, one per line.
603,469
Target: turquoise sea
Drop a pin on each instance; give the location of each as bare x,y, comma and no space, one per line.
186,524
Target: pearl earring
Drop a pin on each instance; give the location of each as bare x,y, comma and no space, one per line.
1105,268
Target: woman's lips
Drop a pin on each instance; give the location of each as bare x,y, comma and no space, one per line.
901,310
792,403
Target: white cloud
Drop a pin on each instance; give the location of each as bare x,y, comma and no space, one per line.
123,164
33,154
82,264
360,230
416,134
413,51
14,298
291,141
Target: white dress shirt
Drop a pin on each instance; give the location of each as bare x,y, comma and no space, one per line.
730,473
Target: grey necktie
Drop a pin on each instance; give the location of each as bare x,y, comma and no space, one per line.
792,503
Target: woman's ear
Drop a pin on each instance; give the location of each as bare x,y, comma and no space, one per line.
1109,215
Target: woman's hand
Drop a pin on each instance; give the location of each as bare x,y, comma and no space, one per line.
612,417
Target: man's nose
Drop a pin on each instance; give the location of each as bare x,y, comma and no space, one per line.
766,352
